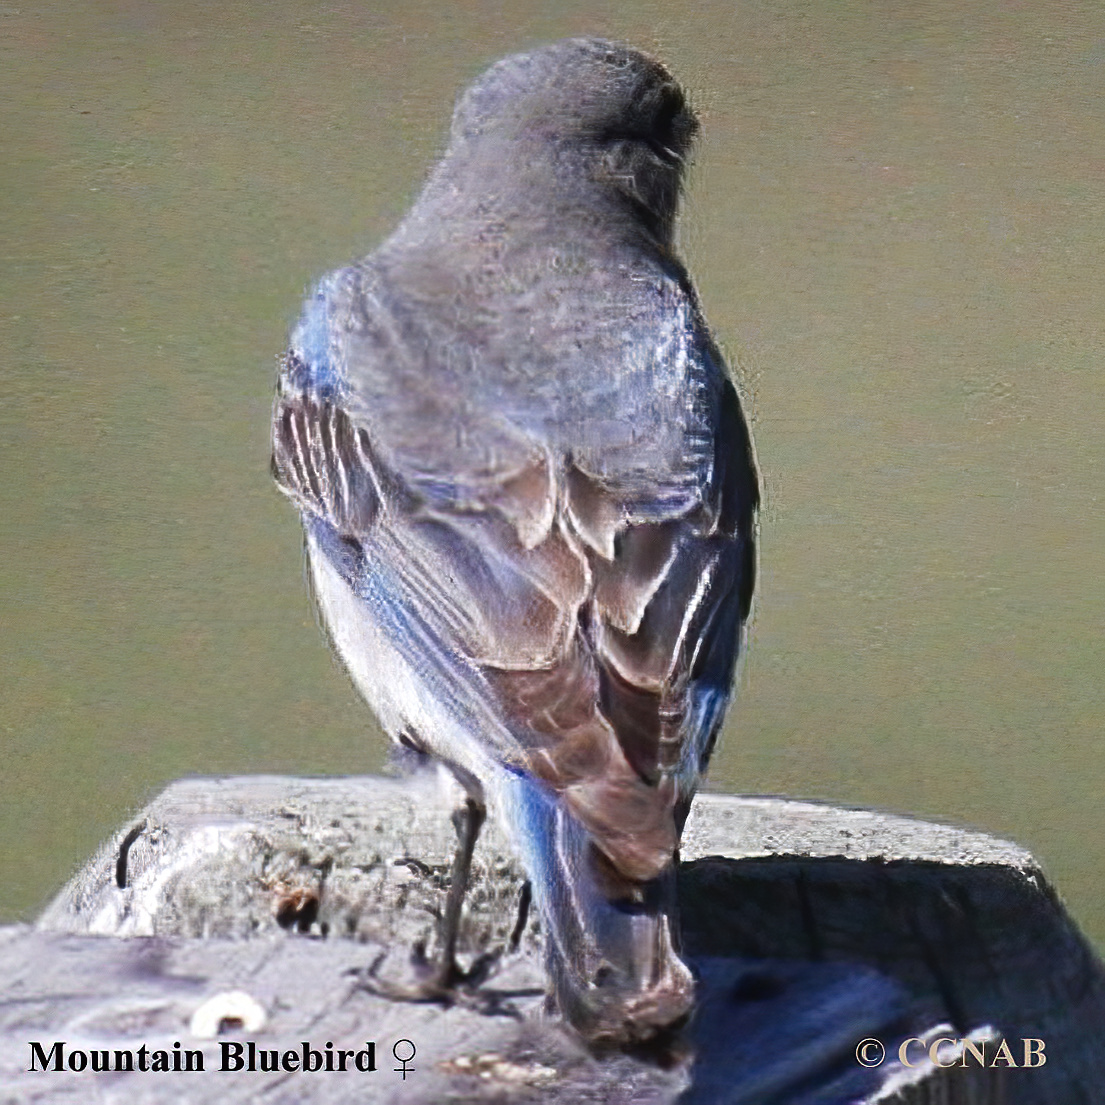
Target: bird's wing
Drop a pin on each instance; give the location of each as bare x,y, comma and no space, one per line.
632,709
600,614
410,400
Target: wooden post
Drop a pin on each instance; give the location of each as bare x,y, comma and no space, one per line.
824,939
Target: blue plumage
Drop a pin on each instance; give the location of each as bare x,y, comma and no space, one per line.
316,369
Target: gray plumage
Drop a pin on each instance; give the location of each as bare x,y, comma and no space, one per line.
529,495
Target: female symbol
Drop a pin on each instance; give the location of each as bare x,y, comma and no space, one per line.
401,1059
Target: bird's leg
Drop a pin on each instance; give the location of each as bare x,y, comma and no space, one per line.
468,821
441,978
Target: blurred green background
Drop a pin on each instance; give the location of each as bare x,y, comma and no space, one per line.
897,223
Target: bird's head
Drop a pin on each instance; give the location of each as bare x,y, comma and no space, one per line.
582,107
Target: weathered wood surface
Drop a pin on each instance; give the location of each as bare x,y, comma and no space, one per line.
811,928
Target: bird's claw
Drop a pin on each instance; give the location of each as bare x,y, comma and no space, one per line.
446,983
450,986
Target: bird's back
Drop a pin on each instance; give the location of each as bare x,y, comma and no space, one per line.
572,505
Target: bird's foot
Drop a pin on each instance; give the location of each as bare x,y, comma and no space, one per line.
446,983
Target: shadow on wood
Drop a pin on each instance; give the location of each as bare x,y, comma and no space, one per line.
804,957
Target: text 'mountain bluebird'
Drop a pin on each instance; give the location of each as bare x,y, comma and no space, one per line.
529,497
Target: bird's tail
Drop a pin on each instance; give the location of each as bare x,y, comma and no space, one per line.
609,941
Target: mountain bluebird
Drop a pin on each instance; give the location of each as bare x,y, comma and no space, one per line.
529,496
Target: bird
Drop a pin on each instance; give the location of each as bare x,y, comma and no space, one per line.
529,495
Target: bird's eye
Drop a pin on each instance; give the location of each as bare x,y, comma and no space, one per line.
671,107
